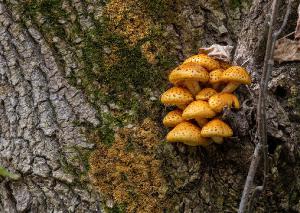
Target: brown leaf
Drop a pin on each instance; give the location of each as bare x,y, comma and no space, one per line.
297,32
218,51
287,50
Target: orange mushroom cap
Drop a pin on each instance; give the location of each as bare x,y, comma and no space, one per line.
198,109
215,76
187,133
205,94
176,96
188,71
236,74
218,101
173,118
216,128
205,61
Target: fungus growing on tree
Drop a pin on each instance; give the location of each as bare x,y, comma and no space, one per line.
173,118
234,76
177,96
205,94
187,133
218,101
205,61
212,72
198,110
215,78
217,130
189,74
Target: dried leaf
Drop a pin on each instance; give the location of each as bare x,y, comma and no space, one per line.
287,50
297,32
218,51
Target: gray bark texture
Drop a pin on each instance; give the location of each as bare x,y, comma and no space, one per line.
71,79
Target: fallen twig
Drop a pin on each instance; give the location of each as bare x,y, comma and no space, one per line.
261,148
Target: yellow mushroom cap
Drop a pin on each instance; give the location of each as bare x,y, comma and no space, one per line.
198,109
189,71
176,96
205,94
173,118
236,74
216,128
218,101
215,76
205,61
187,133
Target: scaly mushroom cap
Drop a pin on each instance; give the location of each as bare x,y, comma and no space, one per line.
187,133
218,101
173,118
236,74
216,128
188,71
215,76
198,109
205,94
205,61
176,96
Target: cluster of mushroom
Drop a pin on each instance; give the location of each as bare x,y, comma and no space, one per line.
218,80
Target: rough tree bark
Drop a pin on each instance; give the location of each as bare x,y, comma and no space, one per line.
49,107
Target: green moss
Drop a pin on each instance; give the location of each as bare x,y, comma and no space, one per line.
51,10
116,209
121,83
235,3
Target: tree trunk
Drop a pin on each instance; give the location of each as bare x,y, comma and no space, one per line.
80,117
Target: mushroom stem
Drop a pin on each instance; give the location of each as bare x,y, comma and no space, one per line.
218,140
231,86
193,87
201,121
181,106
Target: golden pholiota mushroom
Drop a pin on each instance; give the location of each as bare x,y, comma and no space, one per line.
200,111
205,61
173,118
205,94
218,101
177,96
215,78
235,76
217,130
189,74
187,133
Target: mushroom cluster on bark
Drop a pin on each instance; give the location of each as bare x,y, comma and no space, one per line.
202,88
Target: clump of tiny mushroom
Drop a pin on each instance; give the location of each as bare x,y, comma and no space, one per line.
203,87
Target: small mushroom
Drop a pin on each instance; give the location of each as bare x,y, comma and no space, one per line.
187,133
205,61
173,118
189,74
177,96
235,76
218,101
205,94
215,78
198,110
217,130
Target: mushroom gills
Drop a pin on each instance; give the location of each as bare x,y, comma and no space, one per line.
231,86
